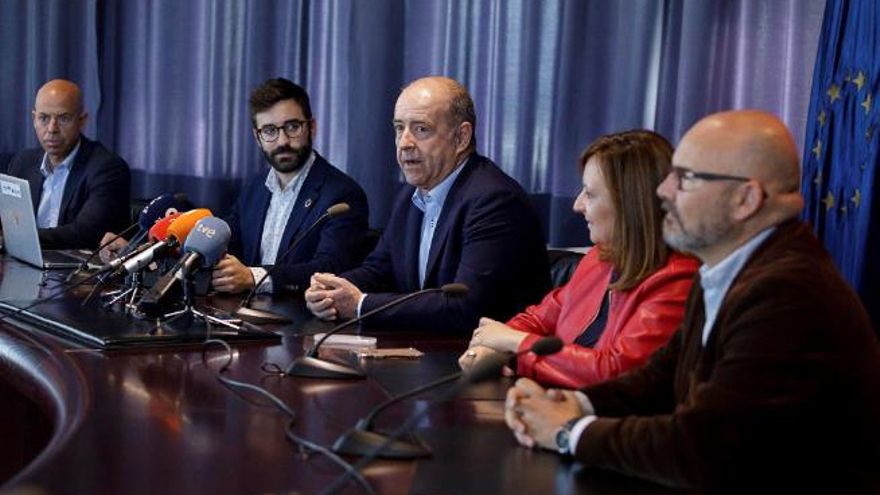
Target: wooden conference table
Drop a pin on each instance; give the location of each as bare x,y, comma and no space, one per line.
77,419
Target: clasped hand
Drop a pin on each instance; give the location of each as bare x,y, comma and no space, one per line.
330,297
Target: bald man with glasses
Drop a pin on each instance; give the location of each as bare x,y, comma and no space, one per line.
78,187
771,383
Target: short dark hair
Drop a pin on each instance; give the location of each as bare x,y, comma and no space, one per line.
633,164
266,95
461,109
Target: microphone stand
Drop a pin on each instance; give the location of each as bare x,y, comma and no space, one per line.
260,316
311,366
189,308
486,369
361,440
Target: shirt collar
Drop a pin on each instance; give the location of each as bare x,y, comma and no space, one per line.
46,167
723,273
440,191
272,179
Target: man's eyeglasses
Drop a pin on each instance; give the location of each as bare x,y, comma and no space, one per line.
63,119
292,128
683,175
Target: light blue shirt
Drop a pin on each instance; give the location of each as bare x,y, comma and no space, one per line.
54,181
431,205
280,206
716,280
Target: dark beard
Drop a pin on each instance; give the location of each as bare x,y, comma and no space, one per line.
296,162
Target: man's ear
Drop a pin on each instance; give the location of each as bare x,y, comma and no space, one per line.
747,199
464,135
83,120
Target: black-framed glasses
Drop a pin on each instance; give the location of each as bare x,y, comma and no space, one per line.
293,128
683,174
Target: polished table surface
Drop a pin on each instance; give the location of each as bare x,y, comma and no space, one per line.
83,420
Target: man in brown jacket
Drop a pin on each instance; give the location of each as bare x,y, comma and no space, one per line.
773,379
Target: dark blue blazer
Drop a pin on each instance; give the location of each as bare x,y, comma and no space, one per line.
487,237
96,198
335,246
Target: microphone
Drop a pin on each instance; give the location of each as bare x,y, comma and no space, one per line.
166,235
205,246
487,368
163,206
155,210
311,366
159,232
244,311
361,440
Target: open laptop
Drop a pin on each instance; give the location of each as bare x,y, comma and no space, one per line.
19,223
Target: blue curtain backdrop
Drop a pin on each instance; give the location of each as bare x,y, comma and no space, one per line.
841,150
166,82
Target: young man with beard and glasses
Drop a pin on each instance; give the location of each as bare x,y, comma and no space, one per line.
771,383
463,221
274,208
79,188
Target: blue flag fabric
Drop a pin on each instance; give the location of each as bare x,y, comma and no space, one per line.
841,144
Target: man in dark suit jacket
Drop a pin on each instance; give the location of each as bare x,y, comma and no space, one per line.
465,221
78,187
773,378
275,208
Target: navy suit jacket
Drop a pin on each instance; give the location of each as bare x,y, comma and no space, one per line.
335,246
487,237
96,197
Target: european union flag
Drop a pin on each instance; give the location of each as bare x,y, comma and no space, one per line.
840,159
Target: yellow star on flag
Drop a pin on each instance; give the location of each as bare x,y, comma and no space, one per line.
857,198
867,104
821,118
829,201
818,179
833,92
859,81
817,150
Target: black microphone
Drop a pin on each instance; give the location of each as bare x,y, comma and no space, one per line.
487,368
361,440
154,211
311,366
257,316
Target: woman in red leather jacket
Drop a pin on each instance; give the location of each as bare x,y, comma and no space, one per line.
626,298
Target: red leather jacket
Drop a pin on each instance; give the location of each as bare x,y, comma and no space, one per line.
640,321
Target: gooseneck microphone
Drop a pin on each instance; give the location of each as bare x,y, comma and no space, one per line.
244,311
160,207
487,368
311,366
143,254
361,440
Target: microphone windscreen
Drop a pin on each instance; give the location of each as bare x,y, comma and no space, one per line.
454,289
159,231
208,238
161,207
546,346
183,224
338,209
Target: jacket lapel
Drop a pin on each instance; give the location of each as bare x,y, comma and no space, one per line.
75,176
444,223
253,222
306,201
